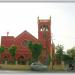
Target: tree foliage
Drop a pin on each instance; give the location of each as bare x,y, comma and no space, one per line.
1,49
35,50
71,52
12,50
59,52
67,58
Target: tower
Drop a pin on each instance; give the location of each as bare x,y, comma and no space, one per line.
44,35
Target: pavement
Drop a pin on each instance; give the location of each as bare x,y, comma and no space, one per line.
23,72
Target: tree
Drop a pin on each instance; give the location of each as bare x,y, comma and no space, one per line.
1,50
12,51
71,52
66,58
59,52
36,50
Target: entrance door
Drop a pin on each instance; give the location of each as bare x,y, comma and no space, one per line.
21,60
6,60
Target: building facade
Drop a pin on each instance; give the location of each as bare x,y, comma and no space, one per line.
23,52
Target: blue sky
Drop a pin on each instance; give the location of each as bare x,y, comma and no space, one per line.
17,17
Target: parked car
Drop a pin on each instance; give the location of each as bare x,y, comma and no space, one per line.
39,67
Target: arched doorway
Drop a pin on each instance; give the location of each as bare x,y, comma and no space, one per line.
6,57
21,60
5,60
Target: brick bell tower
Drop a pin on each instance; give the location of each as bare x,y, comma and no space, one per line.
44,36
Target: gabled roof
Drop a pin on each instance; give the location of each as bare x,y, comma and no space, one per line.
26,33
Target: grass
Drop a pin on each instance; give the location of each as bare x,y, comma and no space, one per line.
14,67
56,68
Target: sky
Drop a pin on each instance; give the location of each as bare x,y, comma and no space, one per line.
18,17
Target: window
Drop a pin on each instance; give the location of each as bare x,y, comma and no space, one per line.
44,28
41,28
25,43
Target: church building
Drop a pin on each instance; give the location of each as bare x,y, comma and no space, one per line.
23,52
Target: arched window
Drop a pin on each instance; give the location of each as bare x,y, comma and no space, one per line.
25,43
45,28
41,28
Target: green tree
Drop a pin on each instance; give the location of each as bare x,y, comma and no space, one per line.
59,52
66,58
12,51
35,50
1,50
71,52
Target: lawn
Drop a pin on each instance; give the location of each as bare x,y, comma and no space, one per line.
14,67
57,68
27,67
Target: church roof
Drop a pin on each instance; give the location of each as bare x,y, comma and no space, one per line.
26,34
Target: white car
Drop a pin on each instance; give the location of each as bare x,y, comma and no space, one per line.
39,67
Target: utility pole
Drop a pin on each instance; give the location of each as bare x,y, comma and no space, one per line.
52,56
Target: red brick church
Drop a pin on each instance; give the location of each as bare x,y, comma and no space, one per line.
44,37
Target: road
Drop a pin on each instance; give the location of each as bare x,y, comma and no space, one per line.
6,72
13,71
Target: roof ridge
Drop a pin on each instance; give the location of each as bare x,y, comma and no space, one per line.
25,31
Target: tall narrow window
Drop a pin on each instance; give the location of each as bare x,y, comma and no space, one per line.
25,43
